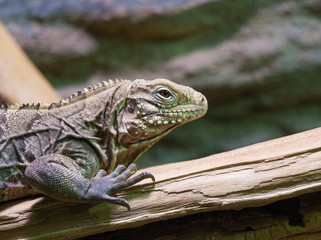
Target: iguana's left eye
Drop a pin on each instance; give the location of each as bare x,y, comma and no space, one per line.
164,94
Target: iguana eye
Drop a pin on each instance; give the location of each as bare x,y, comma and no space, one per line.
164,94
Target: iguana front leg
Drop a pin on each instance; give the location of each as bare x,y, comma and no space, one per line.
58,176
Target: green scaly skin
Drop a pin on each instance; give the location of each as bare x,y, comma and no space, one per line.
82,149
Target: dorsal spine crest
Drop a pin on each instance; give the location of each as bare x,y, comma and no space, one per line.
79,95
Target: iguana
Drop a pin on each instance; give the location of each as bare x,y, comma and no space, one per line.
82,149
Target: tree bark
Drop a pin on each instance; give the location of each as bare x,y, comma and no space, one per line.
248,177
296,218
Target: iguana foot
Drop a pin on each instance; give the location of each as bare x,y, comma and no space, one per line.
56,176
102,184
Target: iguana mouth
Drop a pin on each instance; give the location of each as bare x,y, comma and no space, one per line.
176,115
188,110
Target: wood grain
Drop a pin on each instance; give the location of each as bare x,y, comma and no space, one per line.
20,80
252,176
294,218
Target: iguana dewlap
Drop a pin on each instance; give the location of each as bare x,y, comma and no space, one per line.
82,148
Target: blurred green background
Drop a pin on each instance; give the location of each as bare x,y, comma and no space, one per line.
257,62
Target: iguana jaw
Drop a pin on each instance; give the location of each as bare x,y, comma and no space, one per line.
132,143
177,115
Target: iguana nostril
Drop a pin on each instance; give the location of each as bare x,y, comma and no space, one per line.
202,100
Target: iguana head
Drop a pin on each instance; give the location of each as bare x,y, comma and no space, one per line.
154,108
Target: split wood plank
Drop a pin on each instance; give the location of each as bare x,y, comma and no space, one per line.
247,177
20,80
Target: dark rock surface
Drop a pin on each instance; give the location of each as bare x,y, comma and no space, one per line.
258,62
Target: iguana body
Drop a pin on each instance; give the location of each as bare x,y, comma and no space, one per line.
65,150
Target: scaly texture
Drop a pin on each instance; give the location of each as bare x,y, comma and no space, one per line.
83,148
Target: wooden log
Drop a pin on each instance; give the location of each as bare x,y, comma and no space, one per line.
20,80
295,218
252,176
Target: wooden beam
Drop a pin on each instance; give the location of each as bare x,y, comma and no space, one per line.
247,177
20,80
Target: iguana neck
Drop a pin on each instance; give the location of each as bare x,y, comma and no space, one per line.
112,131
131,152
92,111
106,123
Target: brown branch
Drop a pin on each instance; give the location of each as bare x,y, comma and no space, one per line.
247,177
20,80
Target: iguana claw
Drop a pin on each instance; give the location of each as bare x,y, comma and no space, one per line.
103,184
